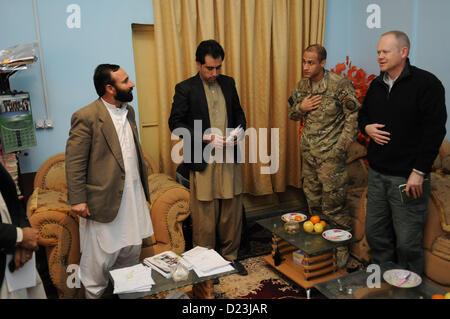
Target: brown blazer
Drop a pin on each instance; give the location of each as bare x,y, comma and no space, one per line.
94,165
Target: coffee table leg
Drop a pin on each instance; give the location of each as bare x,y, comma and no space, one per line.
204,290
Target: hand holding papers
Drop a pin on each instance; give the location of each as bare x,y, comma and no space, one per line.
23,277
234,136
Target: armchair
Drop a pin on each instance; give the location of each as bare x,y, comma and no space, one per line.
49,212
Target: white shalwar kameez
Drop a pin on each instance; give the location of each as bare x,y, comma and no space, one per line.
118,243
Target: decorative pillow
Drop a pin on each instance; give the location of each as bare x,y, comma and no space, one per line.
55,178
441,247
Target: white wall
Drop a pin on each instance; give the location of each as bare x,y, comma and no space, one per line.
425,21
70,57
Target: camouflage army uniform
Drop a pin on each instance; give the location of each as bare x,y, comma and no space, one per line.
328,132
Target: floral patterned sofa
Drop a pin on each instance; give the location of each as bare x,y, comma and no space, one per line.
49,212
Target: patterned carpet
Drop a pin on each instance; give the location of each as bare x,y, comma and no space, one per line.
262,282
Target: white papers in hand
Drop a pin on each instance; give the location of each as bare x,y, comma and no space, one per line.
137,278
24,277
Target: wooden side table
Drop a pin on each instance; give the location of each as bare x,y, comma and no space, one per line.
316,268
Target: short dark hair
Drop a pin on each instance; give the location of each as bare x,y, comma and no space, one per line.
209,47
102,77
320,50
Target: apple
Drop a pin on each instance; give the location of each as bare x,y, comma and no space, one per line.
318,228
447,295
308,226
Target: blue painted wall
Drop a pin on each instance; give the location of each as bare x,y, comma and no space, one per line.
426,22
71,55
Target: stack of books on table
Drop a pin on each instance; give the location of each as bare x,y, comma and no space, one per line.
206,262
137,278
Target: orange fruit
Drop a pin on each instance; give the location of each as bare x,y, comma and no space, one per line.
437,296
298,218
324,224
315,219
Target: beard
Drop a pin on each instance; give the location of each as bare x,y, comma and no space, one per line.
124,96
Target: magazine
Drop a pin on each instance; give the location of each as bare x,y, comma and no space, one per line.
164,262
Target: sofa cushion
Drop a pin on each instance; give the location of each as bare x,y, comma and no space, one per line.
440,187
48,200
436,268
441,247
356,205
52,174
355,151
357,174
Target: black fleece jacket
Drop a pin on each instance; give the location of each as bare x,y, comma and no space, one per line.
415,114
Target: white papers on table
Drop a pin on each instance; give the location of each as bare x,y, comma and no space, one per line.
206,262
137,278
24,277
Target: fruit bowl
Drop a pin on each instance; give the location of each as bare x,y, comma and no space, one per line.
315,226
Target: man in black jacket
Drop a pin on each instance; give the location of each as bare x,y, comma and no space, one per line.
17,238
206,112
404,113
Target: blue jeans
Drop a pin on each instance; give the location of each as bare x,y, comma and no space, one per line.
394,230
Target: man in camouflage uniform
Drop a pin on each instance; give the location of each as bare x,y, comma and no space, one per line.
330,107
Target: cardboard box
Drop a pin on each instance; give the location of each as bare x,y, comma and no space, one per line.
298,257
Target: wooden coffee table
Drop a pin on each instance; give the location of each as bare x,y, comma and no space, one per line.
319,262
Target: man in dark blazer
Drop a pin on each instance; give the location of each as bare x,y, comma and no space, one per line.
205,109
17,238
107,180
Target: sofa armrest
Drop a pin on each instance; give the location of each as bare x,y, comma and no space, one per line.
169,208
59,234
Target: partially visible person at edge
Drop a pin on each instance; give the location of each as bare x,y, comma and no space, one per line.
107,180
215,187
404,114
328,103
17,239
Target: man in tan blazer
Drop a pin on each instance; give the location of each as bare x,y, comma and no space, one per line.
107,180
